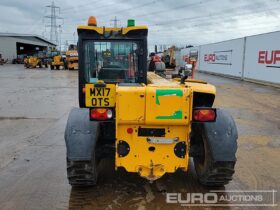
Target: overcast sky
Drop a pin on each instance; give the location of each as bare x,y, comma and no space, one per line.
170,22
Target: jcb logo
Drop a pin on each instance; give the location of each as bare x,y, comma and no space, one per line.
269,57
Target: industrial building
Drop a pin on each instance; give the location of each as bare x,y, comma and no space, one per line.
13,44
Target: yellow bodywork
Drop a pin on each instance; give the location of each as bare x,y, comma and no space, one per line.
72,59
32,62
102,30
160,104
57,61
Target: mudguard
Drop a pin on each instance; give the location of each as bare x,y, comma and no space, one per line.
222,137
81,135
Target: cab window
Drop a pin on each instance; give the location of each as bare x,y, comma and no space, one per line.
111,61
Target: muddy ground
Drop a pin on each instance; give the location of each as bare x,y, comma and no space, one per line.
34,105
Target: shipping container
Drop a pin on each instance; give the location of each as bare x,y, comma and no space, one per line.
262,57
223,57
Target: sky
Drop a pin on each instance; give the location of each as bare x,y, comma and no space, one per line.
170,22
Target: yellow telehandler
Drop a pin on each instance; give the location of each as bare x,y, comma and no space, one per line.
149,124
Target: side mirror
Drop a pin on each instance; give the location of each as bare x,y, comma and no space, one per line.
188,67
186,71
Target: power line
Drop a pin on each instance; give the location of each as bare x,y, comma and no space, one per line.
115,21
211,19
53,22
78,6
168,10
96,8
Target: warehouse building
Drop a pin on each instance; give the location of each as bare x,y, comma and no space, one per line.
13,45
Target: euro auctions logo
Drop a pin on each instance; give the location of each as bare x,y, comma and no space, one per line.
269,57
219,57
250,198
210,57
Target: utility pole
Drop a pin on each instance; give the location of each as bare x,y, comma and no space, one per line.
66,45
53,22
74,37
115,21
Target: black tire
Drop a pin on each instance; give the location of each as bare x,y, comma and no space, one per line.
82,173
52,67
209,172
81,155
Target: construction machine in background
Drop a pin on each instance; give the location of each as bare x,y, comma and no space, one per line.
43,56
150,125
57,61
19,59
32,62
72,58
168,57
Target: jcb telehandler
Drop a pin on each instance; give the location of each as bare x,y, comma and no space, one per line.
149,124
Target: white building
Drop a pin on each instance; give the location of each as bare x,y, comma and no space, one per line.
13,44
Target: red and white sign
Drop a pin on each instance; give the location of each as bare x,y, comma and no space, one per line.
269,57
262,57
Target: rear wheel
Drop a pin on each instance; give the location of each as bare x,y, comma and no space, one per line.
52,67
209,172
82,173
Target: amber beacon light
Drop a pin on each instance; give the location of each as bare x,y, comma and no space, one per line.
92,21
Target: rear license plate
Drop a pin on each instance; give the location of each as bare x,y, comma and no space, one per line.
100,96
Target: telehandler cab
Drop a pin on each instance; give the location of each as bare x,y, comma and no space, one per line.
149,124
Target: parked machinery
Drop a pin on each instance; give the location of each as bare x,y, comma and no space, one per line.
72,58
168,57
150,125
43,56
32,62
19,59
57,61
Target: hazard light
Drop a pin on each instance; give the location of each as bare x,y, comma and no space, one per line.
92,21
101,114
204,115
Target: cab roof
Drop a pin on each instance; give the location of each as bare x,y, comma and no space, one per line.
103,30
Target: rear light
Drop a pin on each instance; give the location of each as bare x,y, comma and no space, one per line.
129,130
101,114
204,115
